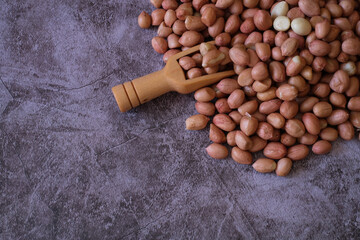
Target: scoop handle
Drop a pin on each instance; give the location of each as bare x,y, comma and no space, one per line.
140,90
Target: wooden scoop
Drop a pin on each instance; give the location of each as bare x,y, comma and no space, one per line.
171,78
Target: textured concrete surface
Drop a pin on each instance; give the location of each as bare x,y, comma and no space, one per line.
73,167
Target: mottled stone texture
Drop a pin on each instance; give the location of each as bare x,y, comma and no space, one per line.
73,167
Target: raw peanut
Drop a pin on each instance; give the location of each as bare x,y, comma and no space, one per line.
342,23
261,86
236,98
239,56
295,65
279,9
354,104
335,49
157,16
298,82
159,44
298,152
312,123
223,4
335,10
322,29
219,12
197,122
275,150
309,7
247,26
321,90
276,120
351,46
346,130
249,91
169,4
235,116
258,144
260,72
269,37
259,116
307,56
266,4
227,85
277,71
164,31
289,109
173,41
307,73
205,94
144,20
262,20
338,99
319,63
321,147
236,7
252,39
248,107
187,63
190,38
244,78
264,165
156,3
355,119
230,138
194,23
197,4
254,59
217,151
205,108
322,109
217,27
289,47
308,139
340,82
347,6
209,17
301,26
232,24
281,23
267,95
213,58
319,48
206,47
270,106
329,134
295,12
248,124
222,105
194,73
287,92
337,117
263,51
198,59
323,123
170,17
238,39
216,135
211,70
283,167
349,67
223,39
227,59
241,156
287,140
242,141
169,54
224,122
265,131
280,38
295,128
333,33
184,10
332,65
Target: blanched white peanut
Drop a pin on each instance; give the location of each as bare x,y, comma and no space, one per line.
281,23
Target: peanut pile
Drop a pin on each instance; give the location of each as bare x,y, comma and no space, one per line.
297,65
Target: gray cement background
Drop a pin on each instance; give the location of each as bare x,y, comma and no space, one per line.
73,167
